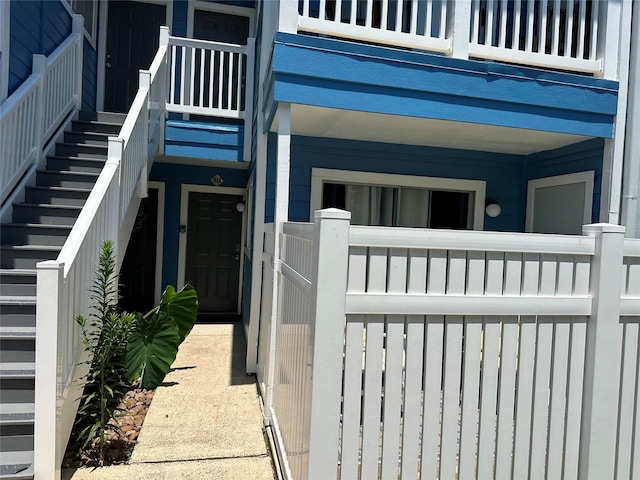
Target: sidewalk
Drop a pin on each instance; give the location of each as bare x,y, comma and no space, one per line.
205,423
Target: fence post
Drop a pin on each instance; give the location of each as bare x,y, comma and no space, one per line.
164,43
39,67
144,83
331,258
600,399
50,278
77,26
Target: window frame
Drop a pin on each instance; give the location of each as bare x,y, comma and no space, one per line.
320,176
90,36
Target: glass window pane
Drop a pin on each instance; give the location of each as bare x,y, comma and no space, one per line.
449,210
413,210
358,202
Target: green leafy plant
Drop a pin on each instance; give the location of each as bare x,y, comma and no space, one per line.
105,334
154,338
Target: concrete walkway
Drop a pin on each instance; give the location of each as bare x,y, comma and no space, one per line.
205,422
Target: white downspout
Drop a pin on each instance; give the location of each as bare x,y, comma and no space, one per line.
631,172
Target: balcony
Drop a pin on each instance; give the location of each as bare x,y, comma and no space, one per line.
576,36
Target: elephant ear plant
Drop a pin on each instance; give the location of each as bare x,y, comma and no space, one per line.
124,347
154,339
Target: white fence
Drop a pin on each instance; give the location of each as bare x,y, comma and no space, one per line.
62,283
546,33
407,353
30,116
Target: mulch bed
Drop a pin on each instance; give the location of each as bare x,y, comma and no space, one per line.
119,445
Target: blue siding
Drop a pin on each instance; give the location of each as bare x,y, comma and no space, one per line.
502,173
506,176
37,27
214,141
173,176
89,76
179,27
337,74
580,157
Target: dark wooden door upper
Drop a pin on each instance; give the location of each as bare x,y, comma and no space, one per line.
220,27
212,263
132,41
138,272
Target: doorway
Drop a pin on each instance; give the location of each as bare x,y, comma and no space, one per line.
139,288
212,252
133,30
560,204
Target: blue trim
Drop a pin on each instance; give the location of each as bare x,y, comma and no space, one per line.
337,74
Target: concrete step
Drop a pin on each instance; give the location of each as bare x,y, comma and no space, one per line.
66,164
79,180
16,438
76,150
17,349
57,195
102,117
18,313
33,233
87,138
16,282
34,213
12,256
16,465
17,413
92,126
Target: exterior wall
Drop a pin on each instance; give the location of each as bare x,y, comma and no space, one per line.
574,158
37,27
89,76
336,74
174,176
213,141
506,176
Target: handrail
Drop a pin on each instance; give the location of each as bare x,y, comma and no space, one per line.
62,283
33,113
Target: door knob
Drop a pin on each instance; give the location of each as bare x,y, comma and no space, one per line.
108,65
237,257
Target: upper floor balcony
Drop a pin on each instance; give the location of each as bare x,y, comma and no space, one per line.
579,36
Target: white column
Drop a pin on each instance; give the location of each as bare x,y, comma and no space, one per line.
288,16
631,182
599,404
331,260
164,43
283,164
50,278
248,101
614,49
461,28
144,83
77,26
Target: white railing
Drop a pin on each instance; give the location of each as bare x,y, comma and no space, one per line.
463,354
63,283
32,114
213,79
210,78
546,33
628,434
416,24
572,36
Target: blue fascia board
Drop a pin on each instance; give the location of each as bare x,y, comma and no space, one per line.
186,131
325,67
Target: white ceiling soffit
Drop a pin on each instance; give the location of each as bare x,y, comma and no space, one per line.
348,124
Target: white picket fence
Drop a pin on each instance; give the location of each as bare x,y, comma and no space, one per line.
409,353
62,288
31,115
544,33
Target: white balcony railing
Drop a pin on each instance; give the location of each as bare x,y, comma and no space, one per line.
31,115
565,35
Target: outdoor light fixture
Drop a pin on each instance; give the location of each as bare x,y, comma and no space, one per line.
240,207
493,209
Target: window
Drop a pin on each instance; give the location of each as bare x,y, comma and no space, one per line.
89,11
399,200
